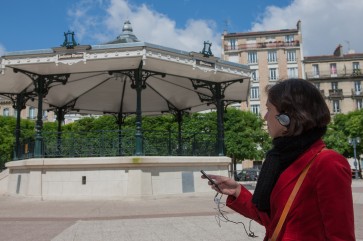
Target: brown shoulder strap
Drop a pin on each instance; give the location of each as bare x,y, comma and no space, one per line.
291,198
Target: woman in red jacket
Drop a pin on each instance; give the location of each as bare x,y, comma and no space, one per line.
297,118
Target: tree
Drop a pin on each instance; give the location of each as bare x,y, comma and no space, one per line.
7,136
342,127
245,137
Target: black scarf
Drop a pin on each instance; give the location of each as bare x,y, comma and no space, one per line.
284,152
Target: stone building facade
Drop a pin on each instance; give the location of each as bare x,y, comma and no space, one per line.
339,78
278,55
6,109
272,55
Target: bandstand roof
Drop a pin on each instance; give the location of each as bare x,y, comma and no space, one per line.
98,84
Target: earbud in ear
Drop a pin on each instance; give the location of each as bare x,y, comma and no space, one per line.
283,119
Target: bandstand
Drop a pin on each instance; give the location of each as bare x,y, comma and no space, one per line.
124,76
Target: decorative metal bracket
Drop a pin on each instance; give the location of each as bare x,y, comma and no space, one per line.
44,86
132,76
63,110
212,87
177,112
229,102
19,100
120,118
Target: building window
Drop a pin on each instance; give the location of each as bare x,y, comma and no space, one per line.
15,112
292,72
31,113
333,70
359,104
255,93
272,74
272,56
334,85
357,86
291,56
45,115
255,109
316,72
6,112
252,57
336,106
356,68
289,38
232,44
254,75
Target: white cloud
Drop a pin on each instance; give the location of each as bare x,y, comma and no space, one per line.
325,23
148,25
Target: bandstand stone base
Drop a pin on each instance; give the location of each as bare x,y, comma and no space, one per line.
111,177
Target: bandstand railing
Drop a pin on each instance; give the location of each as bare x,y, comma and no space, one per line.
120,143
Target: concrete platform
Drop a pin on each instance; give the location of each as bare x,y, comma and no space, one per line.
107,178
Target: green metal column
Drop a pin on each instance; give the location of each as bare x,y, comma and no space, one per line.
38,146
179,115
42,84
61,112
138,78
138,133
18,106
220,125
217,98
120,119
60,118
18,101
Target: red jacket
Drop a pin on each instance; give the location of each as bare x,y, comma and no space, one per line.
323,207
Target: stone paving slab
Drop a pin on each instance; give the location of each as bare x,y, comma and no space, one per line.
159,229
169,218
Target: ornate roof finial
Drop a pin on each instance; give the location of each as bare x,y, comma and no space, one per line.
127,27
127,36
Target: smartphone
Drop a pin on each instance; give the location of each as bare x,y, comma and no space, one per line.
210,179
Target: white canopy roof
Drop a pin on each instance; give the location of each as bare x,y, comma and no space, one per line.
98,81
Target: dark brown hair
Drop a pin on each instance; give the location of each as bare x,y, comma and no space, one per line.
302,102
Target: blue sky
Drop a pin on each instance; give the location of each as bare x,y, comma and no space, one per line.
182,24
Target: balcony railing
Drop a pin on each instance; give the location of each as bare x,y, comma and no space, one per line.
357,72
336,94
120,143
276,44
357,93
328,74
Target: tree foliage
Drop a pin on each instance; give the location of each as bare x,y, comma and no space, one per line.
343,127
245,135
7,136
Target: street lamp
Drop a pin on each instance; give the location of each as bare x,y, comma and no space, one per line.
354,141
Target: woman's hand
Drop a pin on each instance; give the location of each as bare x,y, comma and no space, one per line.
224,185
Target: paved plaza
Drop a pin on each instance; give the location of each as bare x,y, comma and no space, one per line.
165,218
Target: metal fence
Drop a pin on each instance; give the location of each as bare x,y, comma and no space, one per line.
120,143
